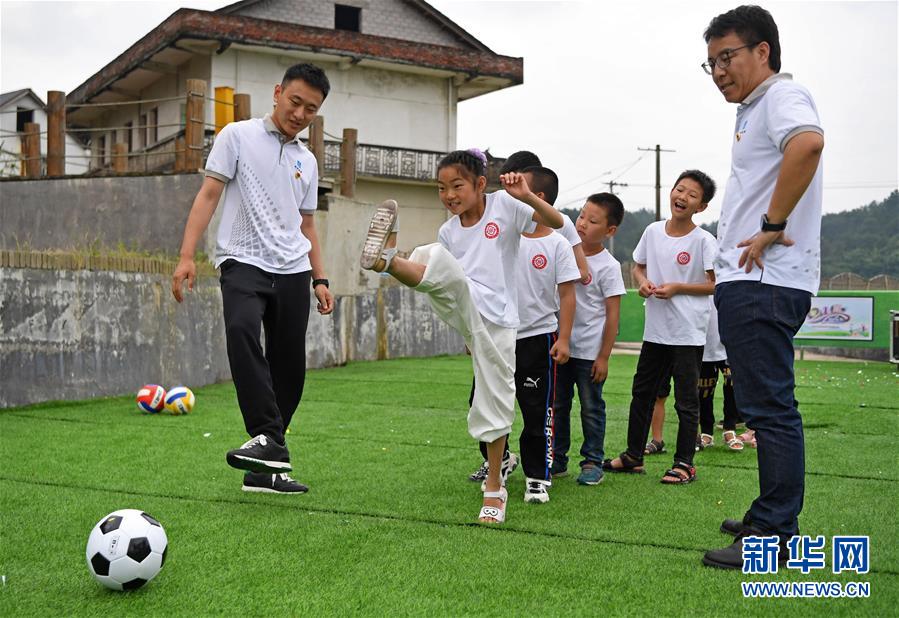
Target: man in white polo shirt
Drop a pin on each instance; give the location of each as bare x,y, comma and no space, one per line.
768,263
269,256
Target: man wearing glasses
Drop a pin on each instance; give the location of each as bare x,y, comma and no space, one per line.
768,262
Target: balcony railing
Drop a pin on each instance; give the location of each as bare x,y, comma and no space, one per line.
386,162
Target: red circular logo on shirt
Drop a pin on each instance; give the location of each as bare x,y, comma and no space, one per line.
539,261
491,230
589,279
683,258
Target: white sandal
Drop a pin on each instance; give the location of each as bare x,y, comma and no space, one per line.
732,441
496,513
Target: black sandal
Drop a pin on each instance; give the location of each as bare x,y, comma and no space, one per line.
676,477
629,465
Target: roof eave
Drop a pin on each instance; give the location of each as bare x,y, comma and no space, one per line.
194,24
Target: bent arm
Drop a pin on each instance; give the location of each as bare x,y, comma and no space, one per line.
800,162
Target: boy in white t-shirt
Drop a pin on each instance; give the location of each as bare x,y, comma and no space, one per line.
598,307
674,269
469,277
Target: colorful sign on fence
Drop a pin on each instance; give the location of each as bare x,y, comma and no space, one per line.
845,318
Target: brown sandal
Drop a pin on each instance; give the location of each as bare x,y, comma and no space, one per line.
629,465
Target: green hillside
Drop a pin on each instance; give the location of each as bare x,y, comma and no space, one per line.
864,241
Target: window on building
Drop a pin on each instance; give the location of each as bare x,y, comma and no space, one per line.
347,17
23,116
129,135
142,132
153,121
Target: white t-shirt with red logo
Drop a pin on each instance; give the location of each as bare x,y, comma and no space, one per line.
604,280
543,263
682,319
488,254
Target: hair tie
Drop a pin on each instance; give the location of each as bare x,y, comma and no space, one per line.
479,155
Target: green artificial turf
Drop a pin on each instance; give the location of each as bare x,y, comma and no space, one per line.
387,528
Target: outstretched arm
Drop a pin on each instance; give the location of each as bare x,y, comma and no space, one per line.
197,221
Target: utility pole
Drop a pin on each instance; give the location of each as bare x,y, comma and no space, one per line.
658,150
612,185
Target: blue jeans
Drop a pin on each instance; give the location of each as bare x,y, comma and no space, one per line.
593,413
757,323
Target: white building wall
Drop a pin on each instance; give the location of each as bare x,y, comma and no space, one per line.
388,108
389,18
11,145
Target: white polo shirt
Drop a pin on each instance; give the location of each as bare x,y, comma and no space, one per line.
488,254
682,319
604,280
543,263
271,179
776,111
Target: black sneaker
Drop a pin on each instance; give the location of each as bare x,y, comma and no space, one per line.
260,454
480,474
272,484
732,527
731,557
510,462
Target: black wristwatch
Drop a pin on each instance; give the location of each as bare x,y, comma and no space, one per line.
772,227
323,282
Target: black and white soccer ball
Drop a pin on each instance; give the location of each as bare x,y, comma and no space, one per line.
126,549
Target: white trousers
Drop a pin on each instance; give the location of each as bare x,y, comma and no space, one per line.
492,347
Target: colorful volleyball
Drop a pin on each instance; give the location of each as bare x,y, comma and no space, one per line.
179,400
151,398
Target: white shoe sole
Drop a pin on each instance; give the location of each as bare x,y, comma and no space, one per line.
268,490
536,498
379,230
259,465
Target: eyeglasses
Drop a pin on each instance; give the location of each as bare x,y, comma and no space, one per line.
723,59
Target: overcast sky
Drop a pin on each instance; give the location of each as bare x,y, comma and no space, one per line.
601,79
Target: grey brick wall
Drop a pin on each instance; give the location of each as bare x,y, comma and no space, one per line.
390,18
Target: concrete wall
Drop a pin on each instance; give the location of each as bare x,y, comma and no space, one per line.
79,334
144,213
148,213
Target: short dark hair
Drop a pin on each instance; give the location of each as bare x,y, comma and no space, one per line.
309,73
752,24
518,161
704,180
611,204
469,163
545,181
